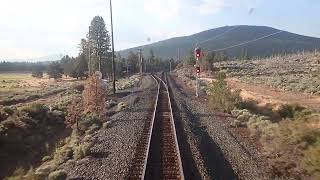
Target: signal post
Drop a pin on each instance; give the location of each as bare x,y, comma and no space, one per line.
197,53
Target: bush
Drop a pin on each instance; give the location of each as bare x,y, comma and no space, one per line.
46,158
89,120
21,174
93,128
296,146
221,96
94,96
82,151
288,111
63,154
58,175
37,74
78,153
311,161
9,110
45,169
35,110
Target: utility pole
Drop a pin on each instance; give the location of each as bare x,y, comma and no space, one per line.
113,63
140,60
127,67
89,54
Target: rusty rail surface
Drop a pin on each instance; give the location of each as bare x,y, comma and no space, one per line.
157,155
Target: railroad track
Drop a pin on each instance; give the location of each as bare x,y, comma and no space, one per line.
157,154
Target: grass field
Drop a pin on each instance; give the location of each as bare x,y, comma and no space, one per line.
17,82
22,87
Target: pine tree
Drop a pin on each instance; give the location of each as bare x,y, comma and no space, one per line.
99,42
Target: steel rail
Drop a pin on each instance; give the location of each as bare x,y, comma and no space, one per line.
134,172
173,127
140,167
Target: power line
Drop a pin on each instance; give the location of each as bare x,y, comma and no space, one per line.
218,36
246,42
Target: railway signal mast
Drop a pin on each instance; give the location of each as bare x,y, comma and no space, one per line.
197,53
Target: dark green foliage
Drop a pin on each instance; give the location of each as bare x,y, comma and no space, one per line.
222,97
55,70
288,111
99,42
22,66
24,133
37,71
133,62
75,67
9,110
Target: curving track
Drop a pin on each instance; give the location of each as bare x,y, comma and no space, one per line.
157,155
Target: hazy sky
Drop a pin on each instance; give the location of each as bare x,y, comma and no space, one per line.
35,28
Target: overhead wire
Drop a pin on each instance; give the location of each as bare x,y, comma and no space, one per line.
246,42
216,37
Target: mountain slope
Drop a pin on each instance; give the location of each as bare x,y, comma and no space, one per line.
279,43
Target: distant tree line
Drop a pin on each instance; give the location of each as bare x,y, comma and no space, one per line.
150,63
6,66
206,61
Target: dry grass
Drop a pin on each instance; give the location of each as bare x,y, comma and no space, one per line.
21,87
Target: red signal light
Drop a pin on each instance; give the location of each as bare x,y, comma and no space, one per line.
198,70
198,52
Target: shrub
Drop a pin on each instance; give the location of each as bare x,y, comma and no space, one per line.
291,140
311,161
89,120
58,175
221,96
21,174
9,110
35,110
63,154
46,158
94,96
93,128
45,169
82,151
37,74
78,153
288,111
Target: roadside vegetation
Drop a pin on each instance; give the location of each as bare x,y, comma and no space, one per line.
288,133
294,72
79,114
291,142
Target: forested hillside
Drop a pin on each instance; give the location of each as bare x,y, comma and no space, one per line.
284,42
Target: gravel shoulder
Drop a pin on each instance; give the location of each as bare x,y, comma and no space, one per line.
224,155
114,146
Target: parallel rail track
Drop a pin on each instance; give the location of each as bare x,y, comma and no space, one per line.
157,154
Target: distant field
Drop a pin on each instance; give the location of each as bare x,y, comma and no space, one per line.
22,87
17,82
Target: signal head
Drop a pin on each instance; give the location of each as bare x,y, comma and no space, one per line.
198,52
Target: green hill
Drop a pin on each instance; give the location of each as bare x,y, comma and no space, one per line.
284,42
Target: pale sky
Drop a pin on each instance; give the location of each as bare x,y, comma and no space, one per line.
36,28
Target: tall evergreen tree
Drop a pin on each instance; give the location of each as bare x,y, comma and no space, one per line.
99,42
